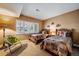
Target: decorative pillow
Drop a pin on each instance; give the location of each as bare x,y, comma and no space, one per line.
62,33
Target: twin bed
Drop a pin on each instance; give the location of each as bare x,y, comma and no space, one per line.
59,44
36,38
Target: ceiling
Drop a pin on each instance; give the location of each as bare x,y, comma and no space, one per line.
11,9
40,11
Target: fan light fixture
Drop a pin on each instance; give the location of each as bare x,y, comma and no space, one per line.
37,10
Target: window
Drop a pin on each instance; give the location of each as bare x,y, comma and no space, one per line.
24,27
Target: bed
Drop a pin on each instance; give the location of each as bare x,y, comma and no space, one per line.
38,37
59,44
35,38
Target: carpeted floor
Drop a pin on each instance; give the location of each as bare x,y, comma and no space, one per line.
30,49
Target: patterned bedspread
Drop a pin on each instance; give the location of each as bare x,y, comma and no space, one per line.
36,37
58,45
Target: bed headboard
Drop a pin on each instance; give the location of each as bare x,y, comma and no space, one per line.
65,32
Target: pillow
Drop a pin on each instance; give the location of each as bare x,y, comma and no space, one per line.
62,33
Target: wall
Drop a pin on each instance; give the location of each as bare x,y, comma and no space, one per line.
9,21
31,19
11,25
68,20
10,28
7,32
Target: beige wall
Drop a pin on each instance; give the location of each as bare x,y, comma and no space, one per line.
69,20
7,32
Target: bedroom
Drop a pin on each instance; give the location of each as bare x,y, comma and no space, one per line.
34,23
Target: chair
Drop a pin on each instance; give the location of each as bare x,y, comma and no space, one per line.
12,43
